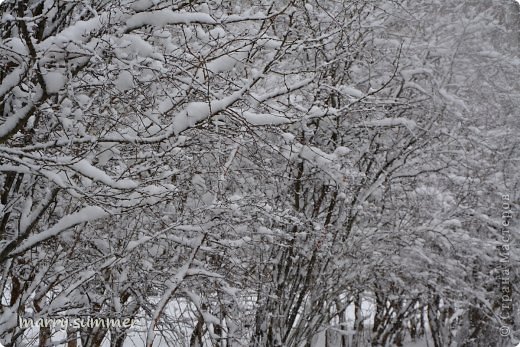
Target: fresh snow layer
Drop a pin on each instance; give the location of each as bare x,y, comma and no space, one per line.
264,118
165,17
54,81
124,81
95,174
86,214
392,122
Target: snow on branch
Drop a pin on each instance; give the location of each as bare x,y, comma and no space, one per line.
264,118
165,17
80,31
173,285
92,172
87,214
14,121
392,122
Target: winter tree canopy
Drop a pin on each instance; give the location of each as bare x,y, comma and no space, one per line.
295,173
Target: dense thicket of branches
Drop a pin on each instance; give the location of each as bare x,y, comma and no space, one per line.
258,173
